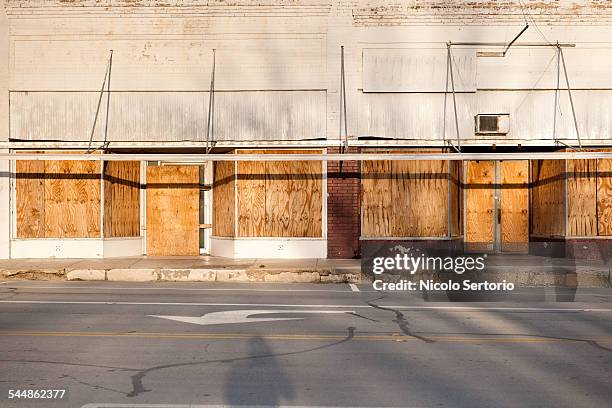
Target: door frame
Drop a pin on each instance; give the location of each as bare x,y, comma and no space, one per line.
496,245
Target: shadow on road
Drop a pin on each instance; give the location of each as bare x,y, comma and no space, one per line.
258,379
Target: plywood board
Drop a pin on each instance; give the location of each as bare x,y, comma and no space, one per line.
278,190
581,198
405,198
514,202
30,198
122,199
280,199
224,199
420,198
548,197
604,197
480,202
377,205
72,199
173,210
305,194
455,198
251,184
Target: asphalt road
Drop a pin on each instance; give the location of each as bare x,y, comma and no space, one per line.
106,344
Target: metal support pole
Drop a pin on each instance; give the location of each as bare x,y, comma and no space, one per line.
515,38
343,119
110,69
93,128
448,45
211,104
569,92
557,92
448,67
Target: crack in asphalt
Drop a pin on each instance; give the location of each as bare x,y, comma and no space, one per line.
400,320
94,386
137,379
593,343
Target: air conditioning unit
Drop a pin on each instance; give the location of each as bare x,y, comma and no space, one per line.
492,124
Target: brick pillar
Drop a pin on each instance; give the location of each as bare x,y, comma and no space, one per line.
343,206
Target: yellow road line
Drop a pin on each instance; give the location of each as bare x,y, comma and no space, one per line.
239,336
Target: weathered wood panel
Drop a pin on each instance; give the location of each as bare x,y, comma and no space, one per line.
278,190
548,197
405,198
455,198
581,198
420,198
173,210
72,199
305,195
604,197
30,198
223,199
480,202
377,203
122,199
58,199
280,199
251,199
514,206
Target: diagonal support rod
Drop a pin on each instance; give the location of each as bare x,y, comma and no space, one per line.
452,78
93,128
211,105
569,92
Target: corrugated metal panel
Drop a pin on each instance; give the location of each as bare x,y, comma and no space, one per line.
169,116
417,70
412,115
420,116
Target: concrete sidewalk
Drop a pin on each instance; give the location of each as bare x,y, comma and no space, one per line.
188,269
523,270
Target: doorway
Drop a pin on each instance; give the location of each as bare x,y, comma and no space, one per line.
172,215
497,205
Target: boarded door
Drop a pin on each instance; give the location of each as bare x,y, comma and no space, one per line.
480,205
497,205
173,210
514,201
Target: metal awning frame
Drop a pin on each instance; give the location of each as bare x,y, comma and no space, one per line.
201,158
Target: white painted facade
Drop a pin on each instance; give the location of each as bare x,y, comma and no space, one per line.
277,248
277,80
76,247
278,69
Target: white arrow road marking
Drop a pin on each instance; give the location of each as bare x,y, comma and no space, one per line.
242,316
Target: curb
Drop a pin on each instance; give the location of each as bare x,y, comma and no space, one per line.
213,275
583,277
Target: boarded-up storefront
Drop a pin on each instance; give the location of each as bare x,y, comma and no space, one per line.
571,198
76,208
269,203
410,199
62,199
58,199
